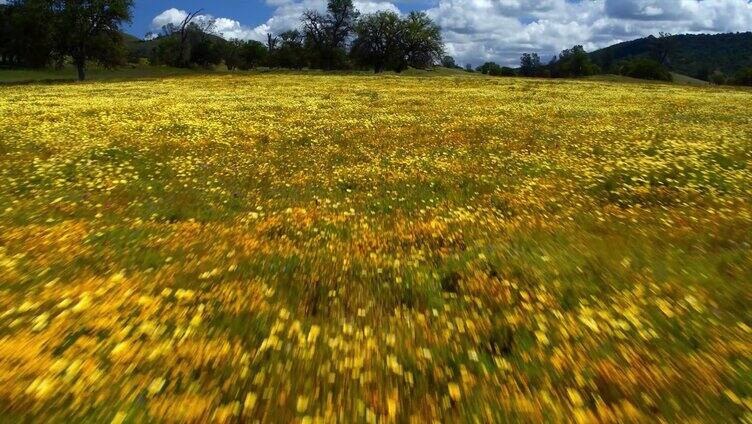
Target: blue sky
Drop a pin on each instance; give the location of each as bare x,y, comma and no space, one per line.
249,12
476,31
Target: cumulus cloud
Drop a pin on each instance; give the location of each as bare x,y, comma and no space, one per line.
501,30
286,16
288,12
169,16
226,27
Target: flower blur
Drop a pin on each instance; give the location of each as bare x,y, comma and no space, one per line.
323,248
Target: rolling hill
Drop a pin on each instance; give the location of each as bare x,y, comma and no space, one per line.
693,55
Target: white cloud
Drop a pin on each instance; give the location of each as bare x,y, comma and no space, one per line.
288,12
375,6
227,28
501,30
169,16
286,16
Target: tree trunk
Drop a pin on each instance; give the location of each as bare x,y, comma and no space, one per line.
81,66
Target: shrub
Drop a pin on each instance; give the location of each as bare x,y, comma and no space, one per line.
743,77
718,78
571,63
490,68
507,72
648,69
495,70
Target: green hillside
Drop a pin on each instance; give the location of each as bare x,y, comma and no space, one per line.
693,55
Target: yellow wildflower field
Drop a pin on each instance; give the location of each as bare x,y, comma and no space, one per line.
323,248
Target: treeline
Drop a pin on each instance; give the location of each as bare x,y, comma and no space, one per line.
576,62
42,33
340,38
740,77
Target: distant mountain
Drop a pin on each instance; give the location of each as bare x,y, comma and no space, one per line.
693,55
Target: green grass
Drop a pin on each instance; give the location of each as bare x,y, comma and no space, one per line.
68,73
438,71
95,73
678,79
684,79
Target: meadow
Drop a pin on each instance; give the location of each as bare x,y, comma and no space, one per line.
320,248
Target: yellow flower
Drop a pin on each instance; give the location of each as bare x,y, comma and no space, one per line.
302,404
454,391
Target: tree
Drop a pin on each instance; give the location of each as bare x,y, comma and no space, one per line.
703,73
342,18
5,37
507,72
490,68
469,67
291,53
644,68
385,41
530,64
193,43
184,30
188,33
271,42
90,29
30,33
271,48
206,50
743,77
573,62
718,78
231,54
493,69
252,53
606,62
448,62
166,52
326,35
379,41
664,45
423,44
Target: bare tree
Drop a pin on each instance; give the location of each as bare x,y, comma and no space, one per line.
314,27
193,21
271,42
327,35
665,45
183,29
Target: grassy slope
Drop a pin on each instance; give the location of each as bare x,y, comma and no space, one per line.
684,79
95,74
274,247
678,79
149,72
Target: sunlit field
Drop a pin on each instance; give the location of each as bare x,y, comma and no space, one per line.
369,249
